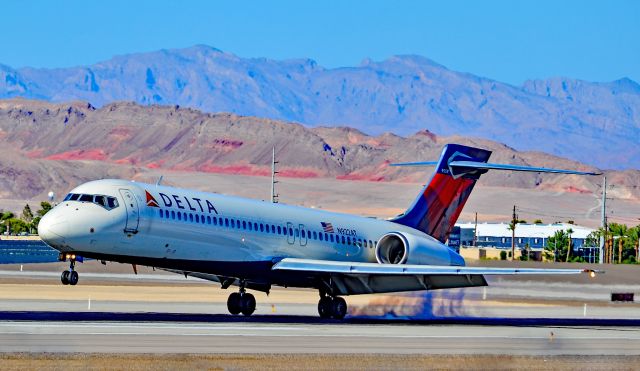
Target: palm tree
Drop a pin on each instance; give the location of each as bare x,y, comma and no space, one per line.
5,218
556,245
634,234
619,231
569,232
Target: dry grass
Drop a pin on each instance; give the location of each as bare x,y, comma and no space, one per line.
66,362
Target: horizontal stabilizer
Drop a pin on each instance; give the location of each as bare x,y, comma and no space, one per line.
458,167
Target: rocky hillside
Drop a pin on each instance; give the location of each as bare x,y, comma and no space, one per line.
48,145
595,123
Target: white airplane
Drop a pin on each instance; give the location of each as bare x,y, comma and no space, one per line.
256,244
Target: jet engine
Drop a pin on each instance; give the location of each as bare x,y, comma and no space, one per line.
392,248
414,248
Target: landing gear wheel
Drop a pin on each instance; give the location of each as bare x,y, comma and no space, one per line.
248,302
73,278
233,303
324,307
329,307
64,278
339,308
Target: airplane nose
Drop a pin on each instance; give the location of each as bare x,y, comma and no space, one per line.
52,229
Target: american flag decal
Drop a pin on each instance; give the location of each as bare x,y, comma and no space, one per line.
328,228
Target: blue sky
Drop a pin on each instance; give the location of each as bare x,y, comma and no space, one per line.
510,41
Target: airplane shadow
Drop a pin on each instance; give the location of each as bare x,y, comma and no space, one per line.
293,319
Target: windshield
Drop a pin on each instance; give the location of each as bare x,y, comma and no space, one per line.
107,202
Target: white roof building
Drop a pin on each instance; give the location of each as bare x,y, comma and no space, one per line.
527,230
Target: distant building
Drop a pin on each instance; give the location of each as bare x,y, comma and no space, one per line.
498,235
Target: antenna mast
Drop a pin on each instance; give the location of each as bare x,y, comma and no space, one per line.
274,196
604,219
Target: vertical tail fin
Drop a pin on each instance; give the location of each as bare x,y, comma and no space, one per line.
437,207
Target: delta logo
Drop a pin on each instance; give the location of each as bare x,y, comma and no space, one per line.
181,202
150,200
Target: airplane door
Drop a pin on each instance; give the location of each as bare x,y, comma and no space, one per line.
303,235
291,239
133,215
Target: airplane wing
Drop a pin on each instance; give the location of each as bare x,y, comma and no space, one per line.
351,278
327,266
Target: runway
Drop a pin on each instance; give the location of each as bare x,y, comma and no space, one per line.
164,333
148,313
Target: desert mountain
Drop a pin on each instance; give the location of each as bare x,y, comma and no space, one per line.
48,145
595,123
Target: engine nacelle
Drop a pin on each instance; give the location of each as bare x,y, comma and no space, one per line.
409,248
392,248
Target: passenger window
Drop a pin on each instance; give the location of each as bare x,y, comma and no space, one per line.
273,229
343,240
238,223
179,215
173,215
290,231
261,227
279,230
348,240
244,225
161,213
331,237
319,235
197,218
226,222
370,244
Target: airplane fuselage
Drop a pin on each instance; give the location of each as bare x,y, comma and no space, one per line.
191,231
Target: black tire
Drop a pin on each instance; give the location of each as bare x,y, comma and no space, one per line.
324,307
339,308
233,303
248,304
73,278
64,278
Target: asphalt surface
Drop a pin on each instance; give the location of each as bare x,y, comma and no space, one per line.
272,334
159,314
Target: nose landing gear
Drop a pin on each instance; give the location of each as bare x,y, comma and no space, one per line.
241,302
69,277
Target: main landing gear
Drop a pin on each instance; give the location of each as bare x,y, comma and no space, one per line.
241,302
332,307
70,277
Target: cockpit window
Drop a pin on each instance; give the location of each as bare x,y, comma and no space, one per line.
86,198
112,202
108,202
99,200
